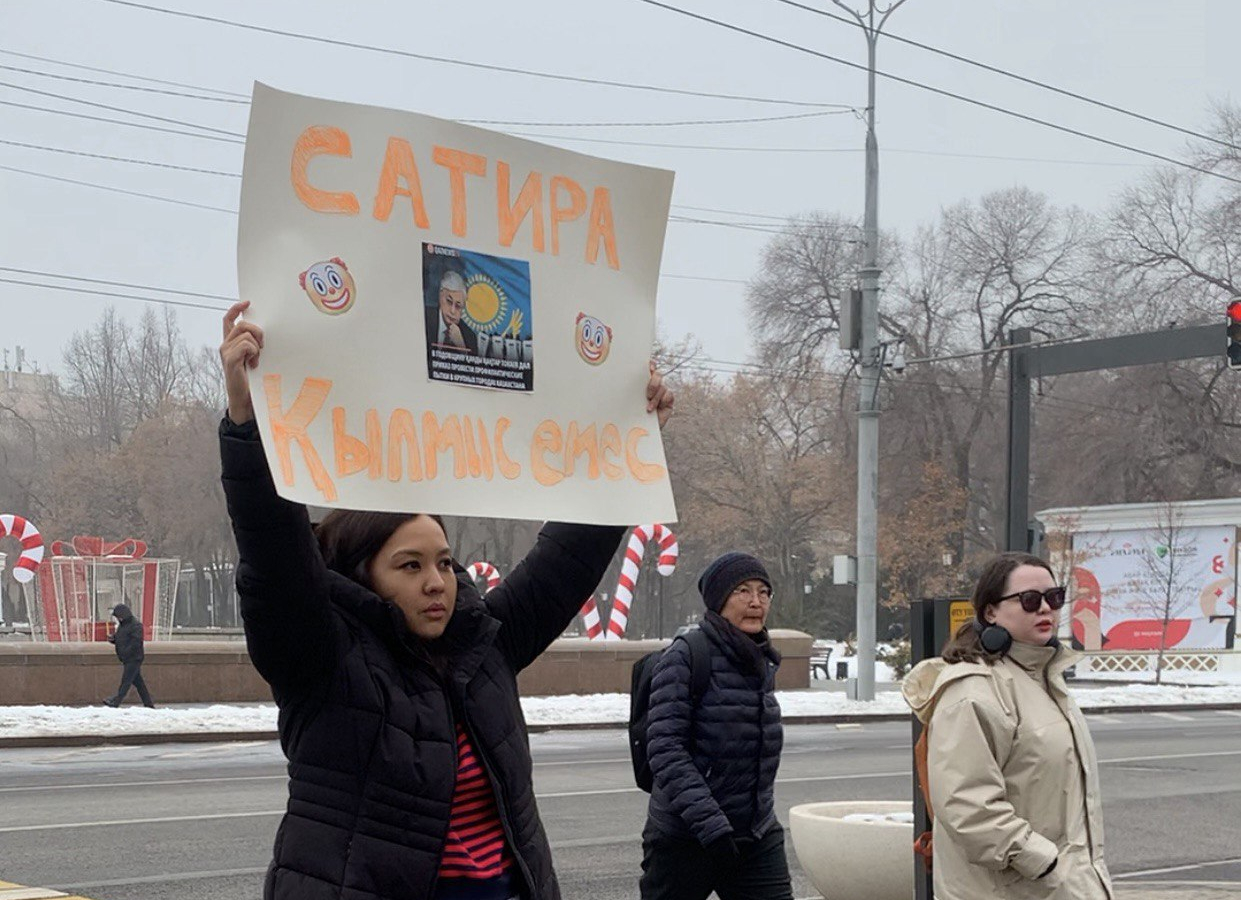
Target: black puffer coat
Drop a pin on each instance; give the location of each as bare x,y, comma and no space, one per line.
128,637
714,764
366,721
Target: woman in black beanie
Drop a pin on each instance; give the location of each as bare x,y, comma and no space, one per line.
711,824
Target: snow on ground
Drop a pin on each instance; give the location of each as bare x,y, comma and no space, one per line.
883,672
613,709
32,721
1169,677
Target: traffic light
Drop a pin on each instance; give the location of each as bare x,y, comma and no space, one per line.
1234,334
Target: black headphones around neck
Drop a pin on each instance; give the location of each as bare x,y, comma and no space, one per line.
994,638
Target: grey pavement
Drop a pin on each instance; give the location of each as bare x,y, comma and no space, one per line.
196,821
1180,890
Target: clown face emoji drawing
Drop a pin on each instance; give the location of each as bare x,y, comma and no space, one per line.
594,339
329,286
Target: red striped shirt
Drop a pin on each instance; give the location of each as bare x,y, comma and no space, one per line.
476,847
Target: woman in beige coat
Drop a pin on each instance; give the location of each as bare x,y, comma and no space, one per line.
1013,777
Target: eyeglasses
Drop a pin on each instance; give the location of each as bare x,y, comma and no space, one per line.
1031,601
763,593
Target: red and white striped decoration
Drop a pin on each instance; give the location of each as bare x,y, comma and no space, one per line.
668,553
32,545
486,570
590,618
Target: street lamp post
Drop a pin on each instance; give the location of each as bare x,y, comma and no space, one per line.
871,367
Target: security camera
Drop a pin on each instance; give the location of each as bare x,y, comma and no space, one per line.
898,358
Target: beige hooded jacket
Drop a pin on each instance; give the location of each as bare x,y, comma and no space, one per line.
1014,781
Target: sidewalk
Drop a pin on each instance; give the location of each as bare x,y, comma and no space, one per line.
1178,890
1187,890
47,726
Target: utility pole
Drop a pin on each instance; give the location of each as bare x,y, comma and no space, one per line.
871,367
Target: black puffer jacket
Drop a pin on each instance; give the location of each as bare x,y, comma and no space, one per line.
714,764
128,637
366,721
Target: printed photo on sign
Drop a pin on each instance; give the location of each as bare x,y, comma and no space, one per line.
478,318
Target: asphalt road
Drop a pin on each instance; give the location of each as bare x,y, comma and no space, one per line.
196,820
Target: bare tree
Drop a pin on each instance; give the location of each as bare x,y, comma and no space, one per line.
919,542
794,299
94,407
118,376
756,463
1068,551
1167,585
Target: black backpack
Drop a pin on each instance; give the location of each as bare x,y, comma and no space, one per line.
640,697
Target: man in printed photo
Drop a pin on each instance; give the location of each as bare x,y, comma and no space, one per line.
444,321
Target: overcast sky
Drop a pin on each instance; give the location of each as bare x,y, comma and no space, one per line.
1166,60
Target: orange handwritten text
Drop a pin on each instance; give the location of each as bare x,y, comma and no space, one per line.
575,215
315,141
427,446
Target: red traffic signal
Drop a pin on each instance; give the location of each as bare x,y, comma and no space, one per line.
1234,334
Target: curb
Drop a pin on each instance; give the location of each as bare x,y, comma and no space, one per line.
212,737
130,740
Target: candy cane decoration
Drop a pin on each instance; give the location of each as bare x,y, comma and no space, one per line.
590,618
484,570
668,553
32,545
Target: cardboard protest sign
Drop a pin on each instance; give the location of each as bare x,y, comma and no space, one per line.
456,321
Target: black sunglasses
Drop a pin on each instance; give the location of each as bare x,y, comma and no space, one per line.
1031,601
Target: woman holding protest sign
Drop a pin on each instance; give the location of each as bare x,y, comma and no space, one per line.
409,765
1011,774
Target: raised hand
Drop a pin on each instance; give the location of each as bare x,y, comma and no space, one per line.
240,351
659,398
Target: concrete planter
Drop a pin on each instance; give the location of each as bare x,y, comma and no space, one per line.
862,857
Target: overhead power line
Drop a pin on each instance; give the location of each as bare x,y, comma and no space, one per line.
142,125
448,60
705,278
125,284
116,190
1034,82
146,78
244,101
742,121
754,149
238,138
122,159
124,87
207,296
771,225
91,291
740,226
934,90
120,109
702,363
763,229
723,147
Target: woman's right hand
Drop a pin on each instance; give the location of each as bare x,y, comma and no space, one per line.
240,351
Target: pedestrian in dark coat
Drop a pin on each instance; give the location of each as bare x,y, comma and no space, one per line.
711,823
409,763
127,640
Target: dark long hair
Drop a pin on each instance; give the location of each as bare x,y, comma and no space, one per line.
350,538
965,646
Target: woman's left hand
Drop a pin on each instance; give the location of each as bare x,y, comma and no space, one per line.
659,398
